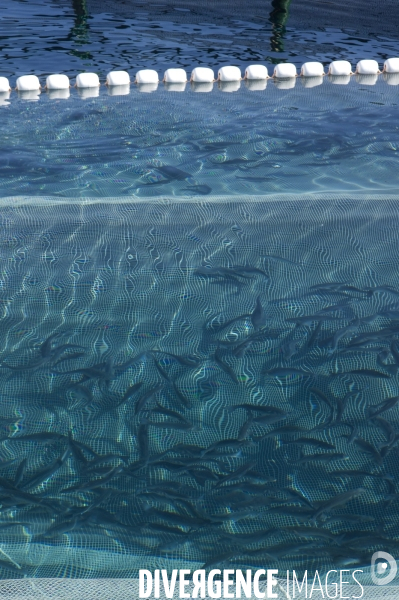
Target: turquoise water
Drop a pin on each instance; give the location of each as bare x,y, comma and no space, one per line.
325,138
178,376
199,302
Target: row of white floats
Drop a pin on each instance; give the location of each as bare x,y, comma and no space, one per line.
255,75
204,75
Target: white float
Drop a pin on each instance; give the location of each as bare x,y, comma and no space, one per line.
367,67
312,69
57,82
285,84
255,85
391,65
175,87
147,76
4,97
202,75
90,92
367,79
391,78
229,74
339,79
285,71
29,95
4,85
229,86
201,87
310,82
118,90
175,76
147,88
118,78
58,94
256,72
87,80
340,67
27,83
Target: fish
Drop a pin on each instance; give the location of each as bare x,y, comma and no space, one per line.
353,326
19,475
284,430
43,360
367,448
81,393
181,425
265,420
161,371
215,328
240,472
225,367
311,442
255,179
103,459
131,391
219,559
162,410
6,565
322,396
274,257
367,372
172,173
176,519
103,371
186,361
142,401
244,429
244,539
284,372
143,443
258,317
324,457
223,444
338,501
47,472
71,356
359,473
297,496
281,550
96,483
42,437
383,406
315,532
265,409
387,428
240,269
288,349
202,189
349,518
184,401
220,272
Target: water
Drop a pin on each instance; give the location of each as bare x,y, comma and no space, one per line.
199,306
327,138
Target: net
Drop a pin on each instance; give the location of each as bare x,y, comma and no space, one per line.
100,296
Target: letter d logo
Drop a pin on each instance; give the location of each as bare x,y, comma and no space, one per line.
389,567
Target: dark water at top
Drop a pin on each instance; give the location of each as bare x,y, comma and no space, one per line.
43,36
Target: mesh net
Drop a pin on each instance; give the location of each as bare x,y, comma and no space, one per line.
120,288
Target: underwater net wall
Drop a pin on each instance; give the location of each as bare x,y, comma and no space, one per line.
196,384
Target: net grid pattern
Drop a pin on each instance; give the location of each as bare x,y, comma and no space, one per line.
89,270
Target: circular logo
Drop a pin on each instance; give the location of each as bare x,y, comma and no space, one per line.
383,568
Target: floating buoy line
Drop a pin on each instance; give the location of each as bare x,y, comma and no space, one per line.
202,79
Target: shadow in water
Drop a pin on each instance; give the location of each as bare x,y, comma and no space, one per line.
80,30
278,18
